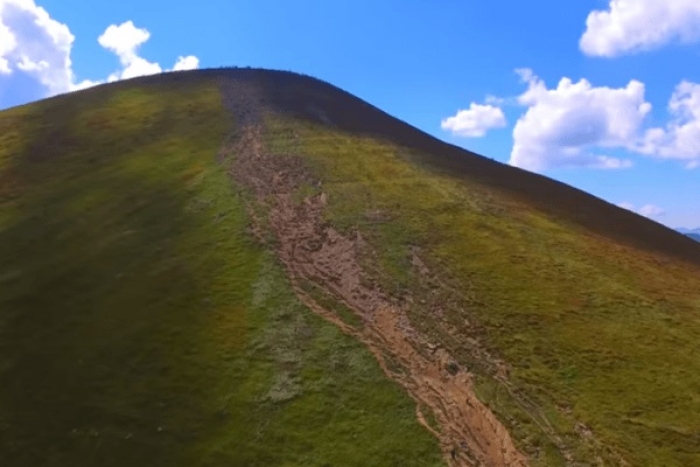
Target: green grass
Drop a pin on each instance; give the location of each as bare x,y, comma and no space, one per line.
595,332
140,324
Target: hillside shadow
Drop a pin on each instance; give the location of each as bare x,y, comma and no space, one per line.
103,354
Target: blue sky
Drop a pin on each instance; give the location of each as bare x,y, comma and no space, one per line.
600,94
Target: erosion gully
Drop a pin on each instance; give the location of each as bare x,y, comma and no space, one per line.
313,252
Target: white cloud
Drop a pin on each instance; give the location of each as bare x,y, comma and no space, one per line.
629,26
680,139
36,45
138,66
124,40
563,125
7,45
648,210
186,63
476,121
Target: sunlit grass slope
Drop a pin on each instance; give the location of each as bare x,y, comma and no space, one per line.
603,338
140,325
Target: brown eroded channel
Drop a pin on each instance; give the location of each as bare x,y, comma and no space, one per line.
314,253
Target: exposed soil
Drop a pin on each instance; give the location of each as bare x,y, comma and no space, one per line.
313,252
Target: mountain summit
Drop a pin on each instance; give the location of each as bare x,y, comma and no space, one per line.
254,267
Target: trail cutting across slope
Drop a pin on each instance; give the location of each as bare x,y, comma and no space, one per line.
316,254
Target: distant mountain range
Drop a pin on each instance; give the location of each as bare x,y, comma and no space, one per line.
692,233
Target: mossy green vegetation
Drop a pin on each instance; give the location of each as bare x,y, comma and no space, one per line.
141,324
603,339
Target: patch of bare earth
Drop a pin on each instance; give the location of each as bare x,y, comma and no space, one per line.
314,253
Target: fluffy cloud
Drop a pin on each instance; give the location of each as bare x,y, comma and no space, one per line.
629,26
476,121
680,139
36,45
124,41
186,63
7,45
562,125
648,210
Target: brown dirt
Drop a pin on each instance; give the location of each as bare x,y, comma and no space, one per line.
313,252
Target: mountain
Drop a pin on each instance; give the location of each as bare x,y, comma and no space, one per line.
254,267
688,231
692,233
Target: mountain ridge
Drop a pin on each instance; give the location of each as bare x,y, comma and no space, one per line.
350,113
292,93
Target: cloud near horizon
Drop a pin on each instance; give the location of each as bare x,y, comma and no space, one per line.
36,45
565,126
630,26
476,121
680,139
648,210
577,124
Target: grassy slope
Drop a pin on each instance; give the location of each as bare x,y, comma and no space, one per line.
595,331
140,324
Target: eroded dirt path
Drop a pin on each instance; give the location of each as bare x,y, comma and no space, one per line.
314,253
317,253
